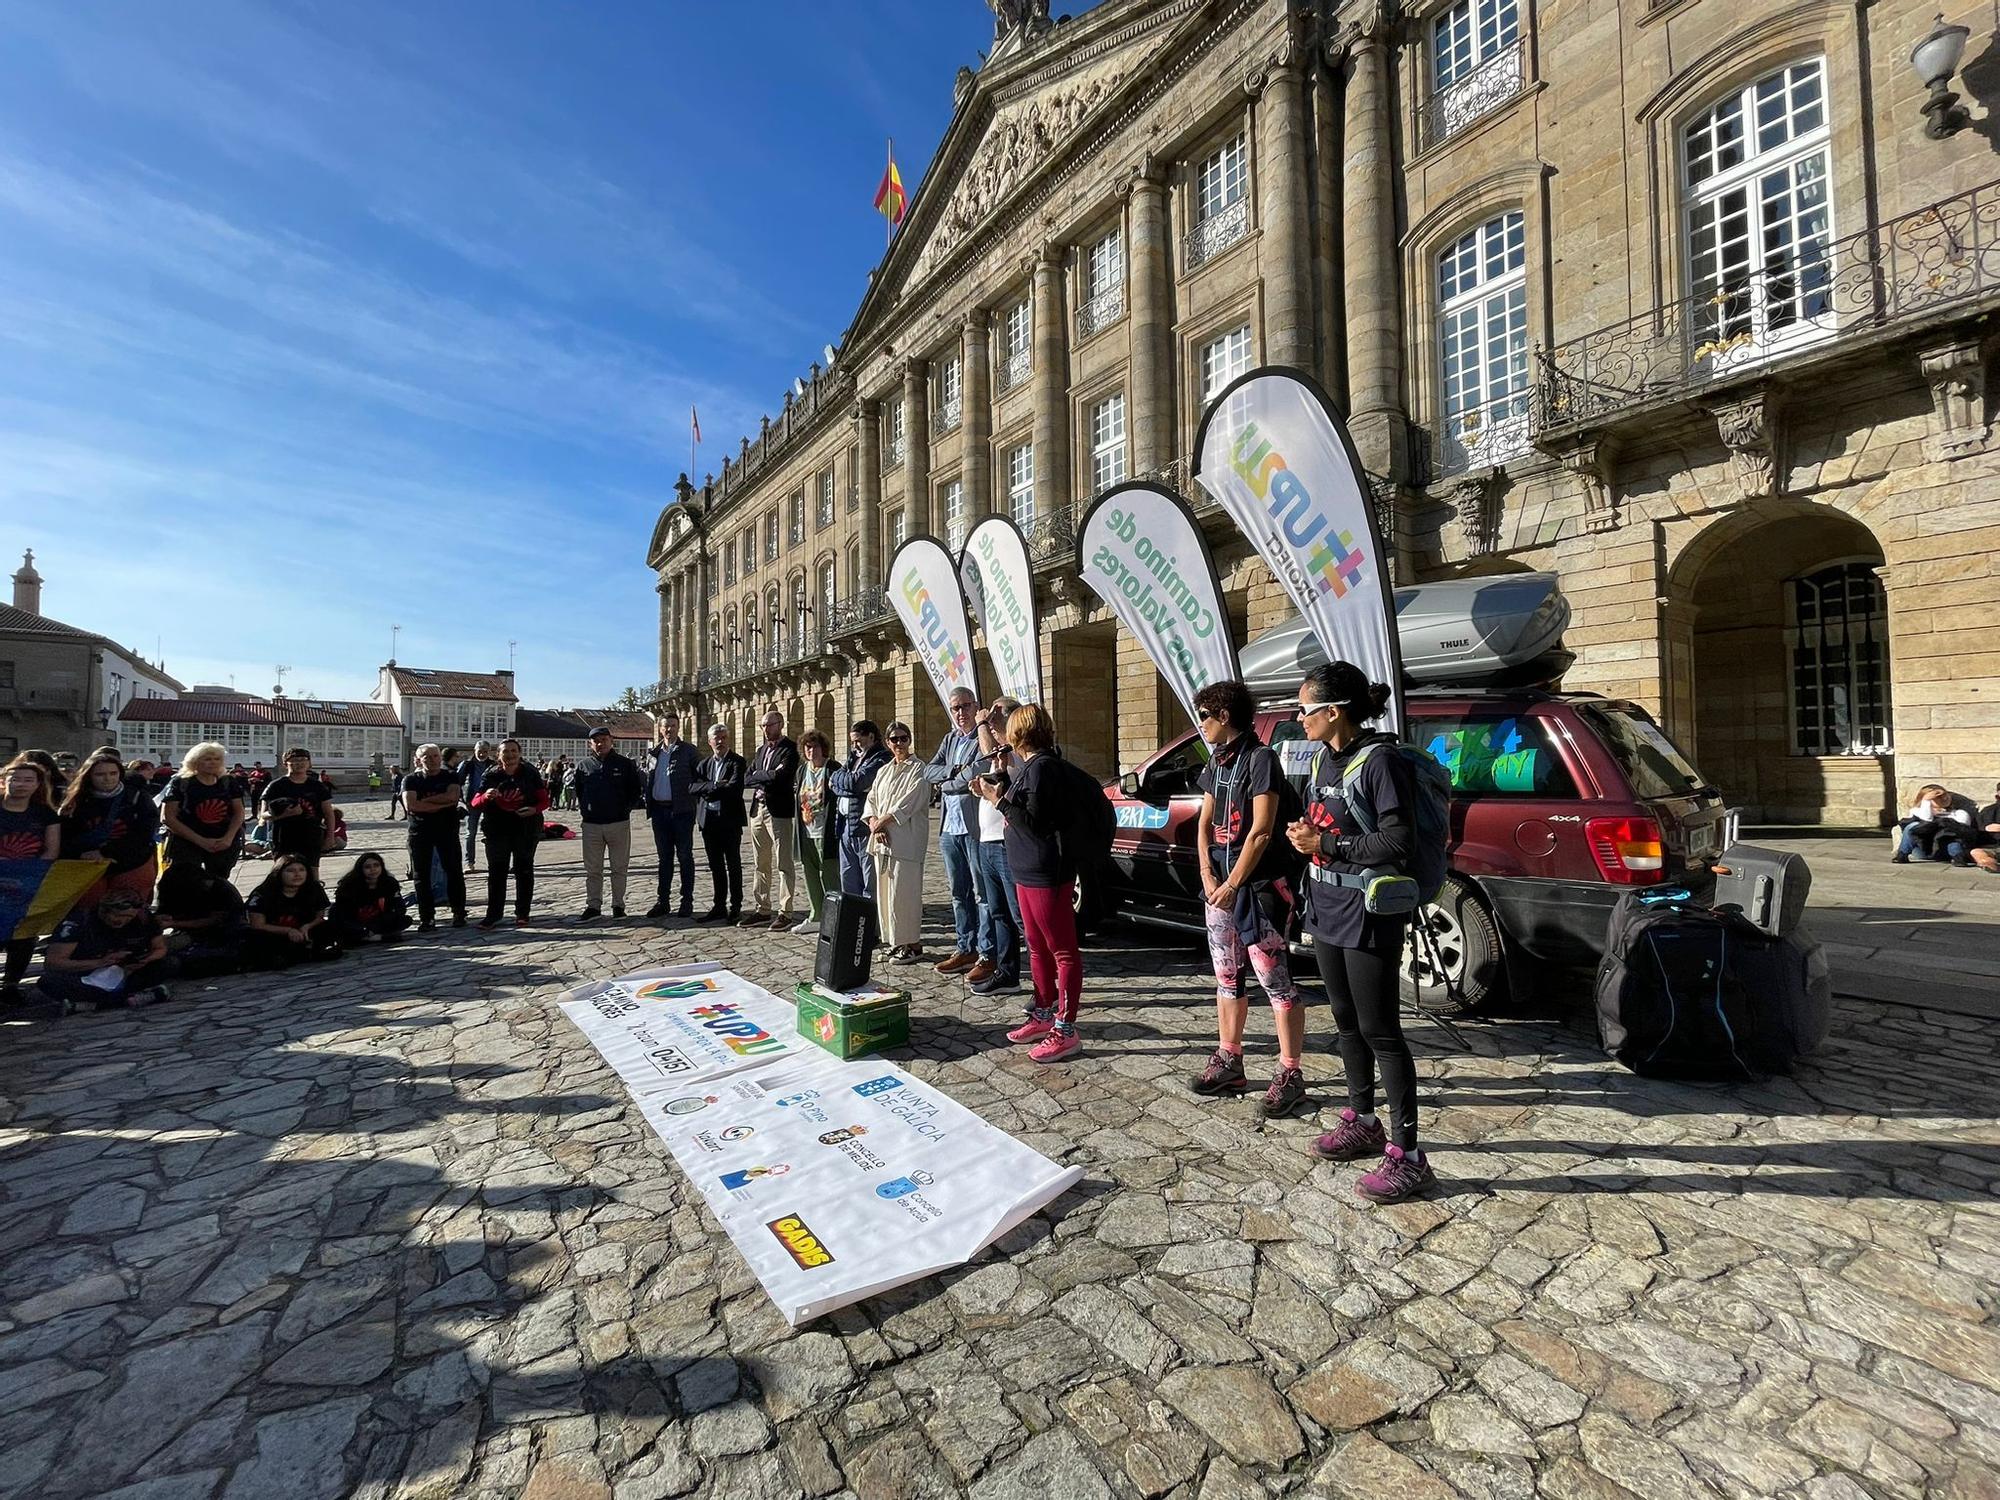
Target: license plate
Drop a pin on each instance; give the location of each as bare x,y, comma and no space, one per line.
1702,840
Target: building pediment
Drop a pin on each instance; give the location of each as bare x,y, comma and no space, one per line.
674,527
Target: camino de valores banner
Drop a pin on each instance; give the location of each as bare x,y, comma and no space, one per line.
924,592
1277,457
1142,550
691,1023
1000,587
36,894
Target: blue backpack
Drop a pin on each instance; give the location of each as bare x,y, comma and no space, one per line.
1432,784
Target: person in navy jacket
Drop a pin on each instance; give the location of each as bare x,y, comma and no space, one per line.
719,787
668,772
850,784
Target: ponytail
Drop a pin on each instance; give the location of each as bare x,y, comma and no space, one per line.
1344,684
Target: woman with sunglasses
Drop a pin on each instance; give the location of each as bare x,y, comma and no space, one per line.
1359,952
899,834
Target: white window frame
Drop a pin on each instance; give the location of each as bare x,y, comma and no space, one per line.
1021,484
1103,301
1221,359
894,426
899,530
948,392
1222,179
1482,332
795,519
771,536
1107,443
951,505
1017,334
1478,61
826,505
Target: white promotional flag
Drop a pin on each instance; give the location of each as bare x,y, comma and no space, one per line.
1000,585
1274,454
1143,552
924,592
692,1023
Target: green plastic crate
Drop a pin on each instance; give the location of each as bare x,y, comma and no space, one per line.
855,1024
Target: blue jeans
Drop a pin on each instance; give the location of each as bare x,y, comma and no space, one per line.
471,833
999,911
959,859
1941,841
673,842
857,866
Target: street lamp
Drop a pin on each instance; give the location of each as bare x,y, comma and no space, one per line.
1936,59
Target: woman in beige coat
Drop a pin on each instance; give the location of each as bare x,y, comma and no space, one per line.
896,813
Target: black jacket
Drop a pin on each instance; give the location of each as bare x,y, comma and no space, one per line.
607,790
774,779
683,761
1030,806
718,782
849,785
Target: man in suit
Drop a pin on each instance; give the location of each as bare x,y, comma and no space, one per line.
669,775
718,785
772,782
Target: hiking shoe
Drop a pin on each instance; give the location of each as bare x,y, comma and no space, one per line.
1286,1093
1400,1176
997,984
1031,1030
984,969
957,963
1056,1046
1350,1140
1223,1075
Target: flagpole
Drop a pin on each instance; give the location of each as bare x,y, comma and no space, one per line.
889,224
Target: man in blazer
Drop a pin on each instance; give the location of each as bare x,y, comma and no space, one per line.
772,782
668,773
718,785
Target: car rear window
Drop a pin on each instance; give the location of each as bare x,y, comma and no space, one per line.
1651,762
1496,755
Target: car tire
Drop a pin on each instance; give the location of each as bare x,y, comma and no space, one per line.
1468,941
1092,901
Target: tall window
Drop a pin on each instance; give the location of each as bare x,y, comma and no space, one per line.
854,565
1476,63
898,530
801,614
1103,285
1221,202
749,550
1107,443
795,519
829,593
1838,630
753,633
1759,218
953,497
1483,343
948,393
895,416
1016,330
777,620
1222,360
1021,485
728,563
771,537
826,498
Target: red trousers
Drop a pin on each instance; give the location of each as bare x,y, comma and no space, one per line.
1048,922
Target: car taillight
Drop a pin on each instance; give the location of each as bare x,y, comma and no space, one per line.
1627,850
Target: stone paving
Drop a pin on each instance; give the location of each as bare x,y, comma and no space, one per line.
390,1229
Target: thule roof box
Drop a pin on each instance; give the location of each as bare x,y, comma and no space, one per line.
1504,631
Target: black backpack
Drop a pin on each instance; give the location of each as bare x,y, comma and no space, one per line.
1085,820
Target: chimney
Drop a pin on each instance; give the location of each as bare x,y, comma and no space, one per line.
506,675
28,586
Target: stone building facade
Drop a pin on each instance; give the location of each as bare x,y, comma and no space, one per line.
1676,298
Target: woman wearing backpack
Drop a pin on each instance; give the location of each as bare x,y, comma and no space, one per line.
1246,869
1360,777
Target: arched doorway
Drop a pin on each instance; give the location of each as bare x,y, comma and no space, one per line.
1778,666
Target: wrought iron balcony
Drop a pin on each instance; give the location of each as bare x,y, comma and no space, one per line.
1486,435
1216,234
1458,103
1051,537
894,452
858,611
1100,312
948,415
1805,302
1014,370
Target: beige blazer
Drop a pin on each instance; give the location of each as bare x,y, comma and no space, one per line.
901,792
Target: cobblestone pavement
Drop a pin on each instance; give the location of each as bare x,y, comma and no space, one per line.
390,1229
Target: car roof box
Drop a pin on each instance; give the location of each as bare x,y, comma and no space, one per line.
1503,631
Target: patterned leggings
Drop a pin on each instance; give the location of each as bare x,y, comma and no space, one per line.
1268,958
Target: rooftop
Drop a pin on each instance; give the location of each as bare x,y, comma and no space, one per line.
433,682
248,710
25,622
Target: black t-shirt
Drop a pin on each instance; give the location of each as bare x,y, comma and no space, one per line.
120,827
285,792
96,938
296,910
1338,914
189,893
1236,776
204,809
504,797
424,784
361,904
24,834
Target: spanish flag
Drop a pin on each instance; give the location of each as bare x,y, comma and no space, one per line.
890,199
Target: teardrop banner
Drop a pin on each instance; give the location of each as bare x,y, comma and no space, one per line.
1142,550
995,568
924,592
1277,457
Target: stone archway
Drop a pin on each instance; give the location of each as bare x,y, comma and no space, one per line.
1776,665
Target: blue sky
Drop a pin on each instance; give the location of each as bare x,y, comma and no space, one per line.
319,317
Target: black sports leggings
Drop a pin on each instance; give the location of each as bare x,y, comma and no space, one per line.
1361,984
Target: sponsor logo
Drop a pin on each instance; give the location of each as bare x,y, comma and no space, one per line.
800,1242
675,989
714,1141
803,1096
669,1060
876,1086
693,1104
738,1180
1333,563
897,1187
1141,815
835,1137
743,1037
918,1112
946,661
739,1132
825,1027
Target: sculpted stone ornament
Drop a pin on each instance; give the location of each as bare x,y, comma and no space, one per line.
1475,498
1746,428
1957,376
1593,462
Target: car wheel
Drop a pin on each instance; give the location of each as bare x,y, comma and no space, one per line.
1465,940
1090,898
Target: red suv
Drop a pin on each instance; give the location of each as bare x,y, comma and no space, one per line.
1560,801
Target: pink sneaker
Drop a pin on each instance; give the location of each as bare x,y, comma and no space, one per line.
1398,1177
1350,1140
1056,1046
1031,1030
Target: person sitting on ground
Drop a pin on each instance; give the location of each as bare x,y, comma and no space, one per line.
368,904
288,917
1985,850
204,917
1939,828
110,821
30,828
111,955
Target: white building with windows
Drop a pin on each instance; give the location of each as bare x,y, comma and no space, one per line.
447,708
346,740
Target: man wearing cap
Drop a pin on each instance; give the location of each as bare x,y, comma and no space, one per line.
607,789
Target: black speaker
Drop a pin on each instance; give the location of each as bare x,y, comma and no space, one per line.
847,938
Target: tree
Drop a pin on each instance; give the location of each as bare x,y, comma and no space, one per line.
627,701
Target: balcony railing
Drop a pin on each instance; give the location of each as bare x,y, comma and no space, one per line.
1458,103
1013,370
1216,234
1486,435
1051,537
1935,262
858,611
1100,312
948,415
895,450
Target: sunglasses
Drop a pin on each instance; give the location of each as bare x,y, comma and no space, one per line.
1307,710
899,739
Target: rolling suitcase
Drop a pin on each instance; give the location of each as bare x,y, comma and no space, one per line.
1769,888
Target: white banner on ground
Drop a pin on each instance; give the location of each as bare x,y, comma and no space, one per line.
835,1180
692,1023
1142,550
924,592
996,573
1277,458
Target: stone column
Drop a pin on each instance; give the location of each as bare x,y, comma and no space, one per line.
665,589
868,482
1374,339
976,417
1151,272
1052,471
1329,298
1281,178
917,448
